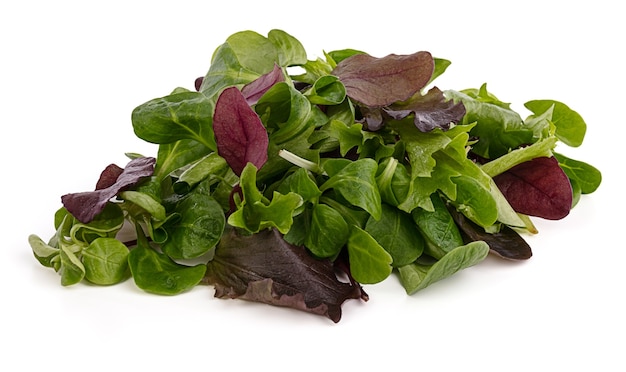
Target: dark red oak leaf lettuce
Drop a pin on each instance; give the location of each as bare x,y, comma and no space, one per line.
538,187
506,243
430,111
239,132
263,267
85,206
378,82
109,176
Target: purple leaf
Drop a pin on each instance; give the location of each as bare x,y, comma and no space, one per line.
254,90
378,82
373,118
108,176
85,206
239,133
263,267
198,83
431,110
538,187
506,243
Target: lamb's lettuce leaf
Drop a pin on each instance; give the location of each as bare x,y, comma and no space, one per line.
419,275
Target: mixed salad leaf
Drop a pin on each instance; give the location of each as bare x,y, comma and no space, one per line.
293,182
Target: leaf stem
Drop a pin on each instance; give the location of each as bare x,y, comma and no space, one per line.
300,162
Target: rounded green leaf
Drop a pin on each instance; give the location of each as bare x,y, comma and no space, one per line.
198,229
327,90
290,51
475,201
438,228
570,126
145,201
585,175
72,269
418,276
42,251
186,115
369,262
106,224
209,165
285,111
105,261
156,273
396,232
393,181
253,51
328,232
302,183
356,182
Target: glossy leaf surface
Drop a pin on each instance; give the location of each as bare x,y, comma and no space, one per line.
538,187
241,137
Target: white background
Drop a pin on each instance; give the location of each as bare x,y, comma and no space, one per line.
71,73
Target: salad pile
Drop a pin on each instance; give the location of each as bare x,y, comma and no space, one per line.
294,182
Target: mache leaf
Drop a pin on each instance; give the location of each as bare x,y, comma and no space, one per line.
369,262
43,252
289,49
184,115
438,228
417,276
356,182
244,57
327,90
396,232
105,261
199,227
176,155
570,126
156,273
72,269
585,175
327,233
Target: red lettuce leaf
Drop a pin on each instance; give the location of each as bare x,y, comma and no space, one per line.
85,206
239,132
506,243
378,82
263,267
109,176
430,111
538,187
372,117
198,83
254,90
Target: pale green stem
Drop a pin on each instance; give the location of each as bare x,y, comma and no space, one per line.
300,162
